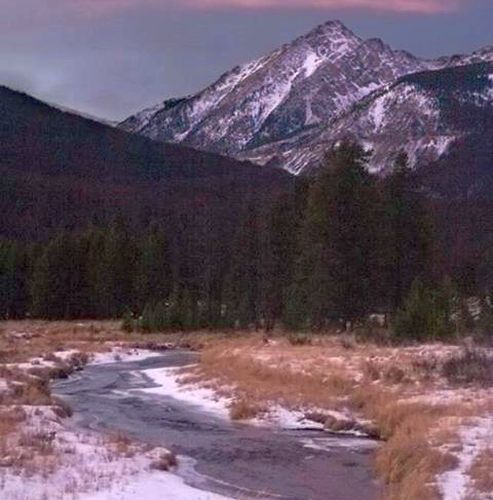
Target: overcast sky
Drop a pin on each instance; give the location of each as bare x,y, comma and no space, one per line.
111,58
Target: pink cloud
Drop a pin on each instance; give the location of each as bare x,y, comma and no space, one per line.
424,6
98,7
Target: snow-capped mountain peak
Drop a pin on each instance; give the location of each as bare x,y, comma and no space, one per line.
276,108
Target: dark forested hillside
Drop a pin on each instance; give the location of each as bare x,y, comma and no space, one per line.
59,170
62,174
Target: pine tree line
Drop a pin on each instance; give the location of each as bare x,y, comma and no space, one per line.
342,246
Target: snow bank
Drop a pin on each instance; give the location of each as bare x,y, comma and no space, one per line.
153,486
122,354
168,384
329,443
455,484
287,419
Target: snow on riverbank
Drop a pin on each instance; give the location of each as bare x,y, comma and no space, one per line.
153,486
475,437
122,354
169,383
87,466
44,458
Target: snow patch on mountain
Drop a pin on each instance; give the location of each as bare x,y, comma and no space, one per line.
312,62
286,108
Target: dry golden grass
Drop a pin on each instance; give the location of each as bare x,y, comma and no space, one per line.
383,384
244,409
482,471
121,444
237,362
10,419
387,385
410,460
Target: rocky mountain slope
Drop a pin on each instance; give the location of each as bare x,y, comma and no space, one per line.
283,109
431,115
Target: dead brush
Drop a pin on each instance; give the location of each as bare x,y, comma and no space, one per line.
394,375
425,368
9,423
5,355
165,461
244,409
470,367
482,471
52,357
300,339
371,371
79,359
42,443
33,392
121,444
61,407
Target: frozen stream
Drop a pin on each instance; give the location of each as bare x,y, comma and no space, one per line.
216,455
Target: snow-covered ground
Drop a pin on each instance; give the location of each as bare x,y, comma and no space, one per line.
87,467
152,486
122,354
474,438
167,382
46,459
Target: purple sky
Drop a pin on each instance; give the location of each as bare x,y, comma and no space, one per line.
113,57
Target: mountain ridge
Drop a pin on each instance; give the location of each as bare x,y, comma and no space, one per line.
300,89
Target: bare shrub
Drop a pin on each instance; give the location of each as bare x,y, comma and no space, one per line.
79,359
471,366
5,355
165,461
9,420
41,442
425,367
61,407
371,370
52,357
243,409
339,425
122,444
348,342
394,375
33,393
299,339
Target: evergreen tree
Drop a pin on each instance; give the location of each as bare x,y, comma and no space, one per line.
278,254
14,268
59,286
153,280
242,287
97,274
406,240
118,270
485,321
339,239
426,313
